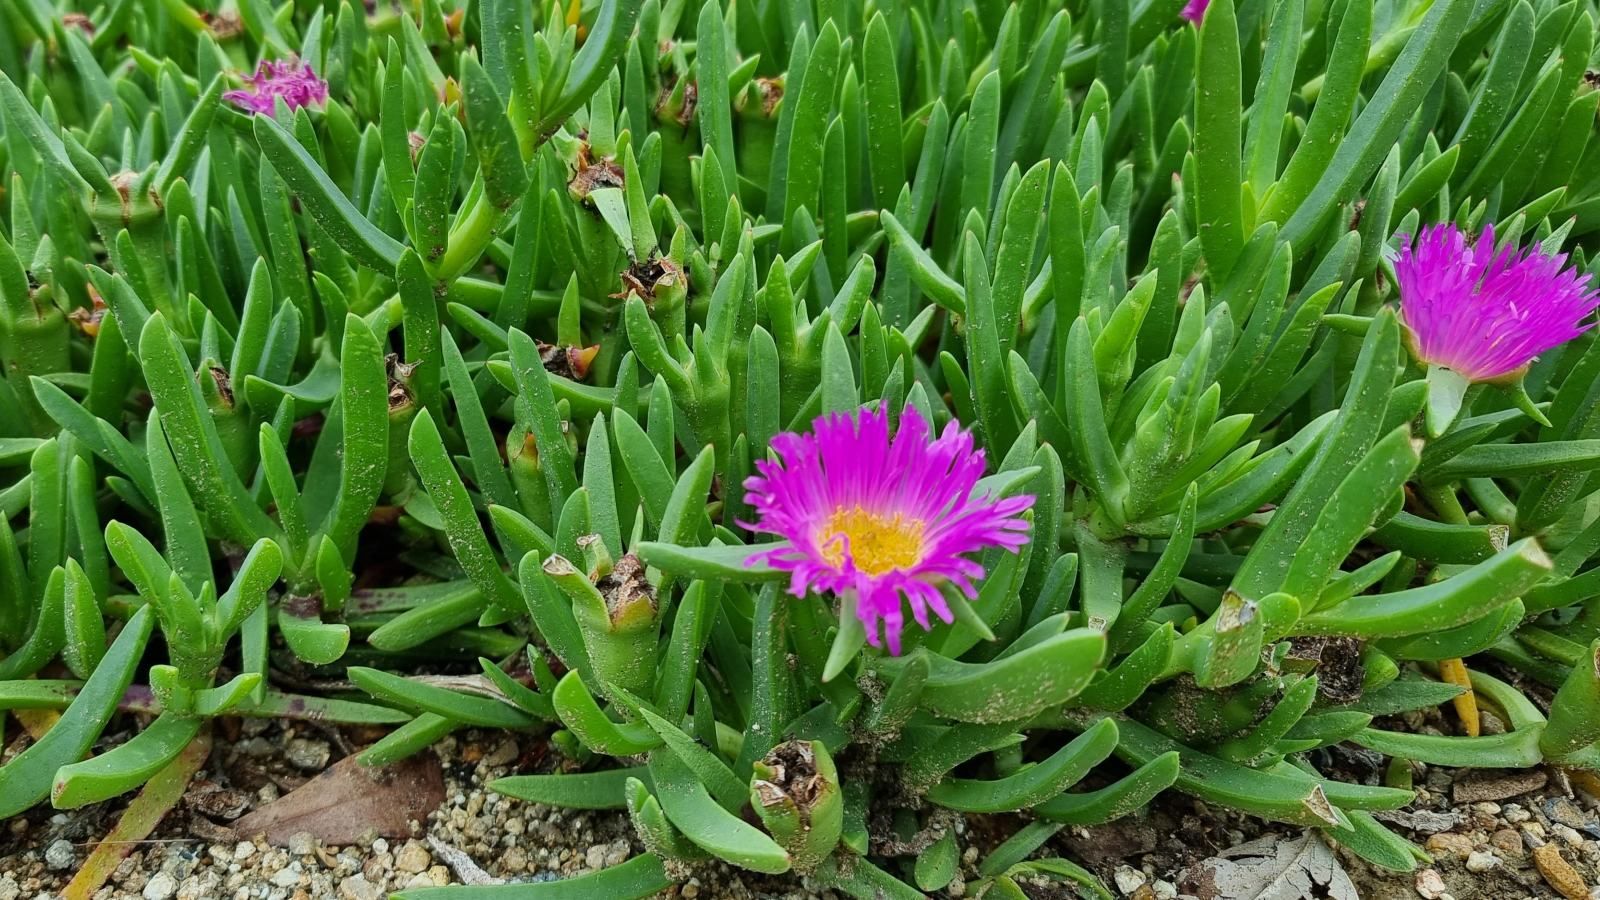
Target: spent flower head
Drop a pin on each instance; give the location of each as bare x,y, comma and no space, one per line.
1485,314
881,517
1195,10
290,79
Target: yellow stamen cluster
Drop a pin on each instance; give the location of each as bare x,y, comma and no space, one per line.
877,543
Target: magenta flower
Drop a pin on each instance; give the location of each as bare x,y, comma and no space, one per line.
290,79
1195,10
1482,314
880,518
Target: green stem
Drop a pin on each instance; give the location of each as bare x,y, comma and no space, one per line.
475,227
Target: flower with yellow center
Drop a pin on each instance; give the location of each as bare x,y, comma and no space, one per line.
878,544
890,520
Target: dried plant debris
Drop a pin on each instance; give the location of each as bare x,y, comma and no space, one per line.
1271,868
349,800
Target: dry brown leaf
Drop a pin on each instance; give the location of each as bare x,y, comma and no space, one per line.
350,800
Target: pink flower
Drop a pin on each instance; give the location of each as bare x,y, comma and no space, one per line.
1482,314
290,79
881,518
1195,10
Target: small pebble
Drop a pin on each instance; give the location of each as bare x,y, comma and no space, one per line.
503,753
1449,842
357,887
1430,885
1567,834
203,886
413,857
1474,789
1507,841
60,855
302,843
1128,879
515,860
161,886
1481,861
1564,812
257,747
307,754
244,850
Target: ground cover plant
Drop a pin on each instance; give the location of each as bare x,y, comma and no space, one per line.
815,418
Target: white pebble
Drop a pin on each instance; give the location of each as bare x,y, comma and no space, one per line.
161,886
1128,879
60,855
1481,861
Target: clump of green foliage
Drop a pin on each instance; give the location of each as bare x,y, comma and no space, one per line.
462,367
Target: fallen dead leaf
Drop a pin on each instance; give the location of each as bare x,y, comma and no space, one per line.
1271,868
349,800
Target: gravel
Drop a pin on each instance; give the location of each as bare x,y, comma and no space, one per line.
1539,843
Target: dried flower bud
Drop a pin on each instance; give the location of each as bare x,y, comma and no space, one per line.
796,793
650,277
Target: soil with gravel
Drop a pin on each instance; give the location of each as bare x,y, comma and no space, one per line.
1501,835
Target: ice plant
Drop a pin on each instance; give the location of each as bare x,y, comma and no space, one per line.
1485,314
245,319
290,79
880,518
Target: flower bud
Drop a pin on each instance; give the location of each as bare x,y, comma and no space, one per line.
527,476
